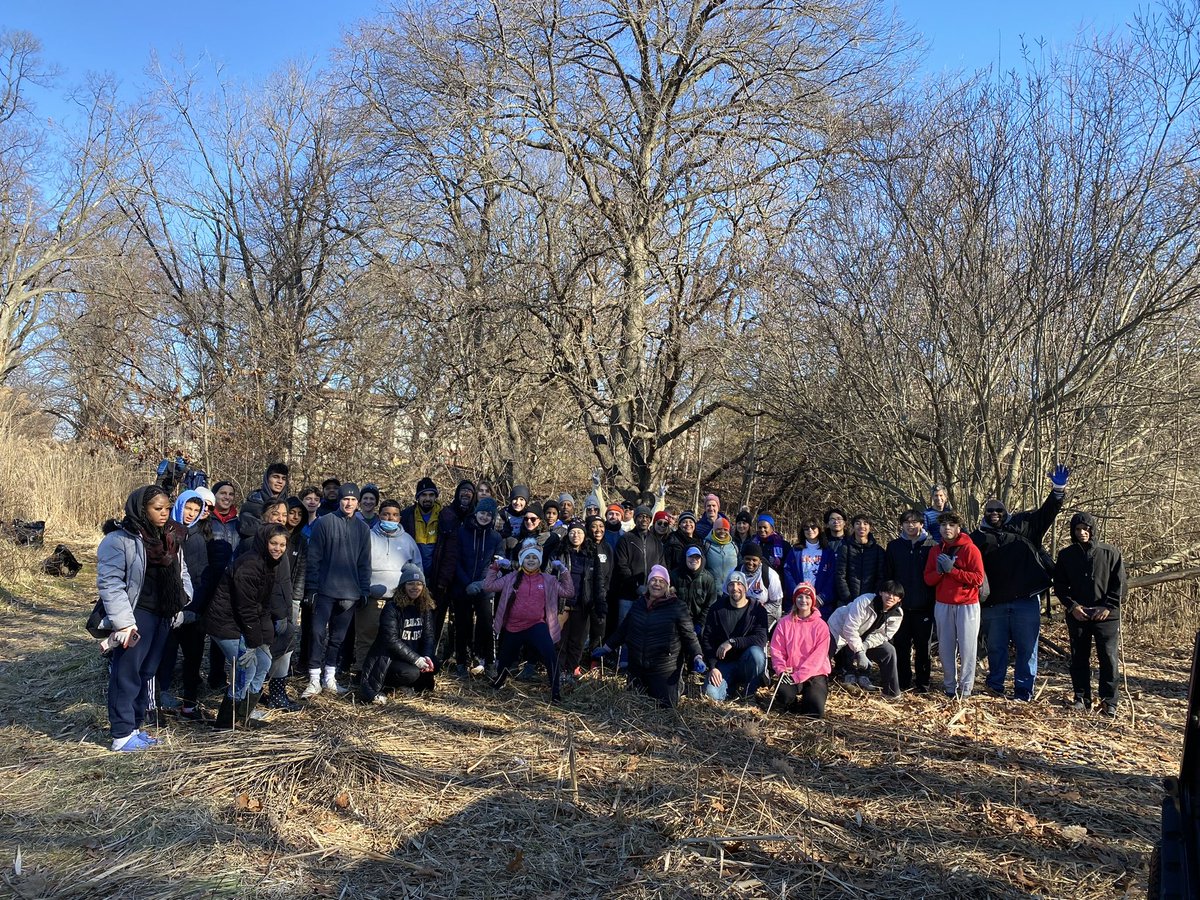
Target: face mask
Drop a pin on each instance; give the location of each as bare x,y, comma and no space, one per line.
389,527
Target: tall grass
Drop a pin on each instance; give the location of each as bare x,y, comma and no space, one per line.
72,486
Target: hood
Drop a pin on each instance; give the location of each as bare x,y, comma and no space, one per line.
465,483
275,469
135,511
177,509
1082,518
260,544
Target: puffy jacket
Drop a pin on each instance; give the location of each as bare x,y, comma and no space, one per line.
658,638
801,647
120,574
477,548
637,553
591,571
405,632
339,558
905,562
446,550
555,588
961,584
225,540
720,559
864,624
743,628
697,590
241,607
1016,564
1091,574
793,575
860,569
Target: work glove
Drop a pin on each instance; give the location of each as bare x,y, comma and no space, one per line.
945,562
595,478
698,665
246,660
184,617
860,660
281,625
344,605
1059,478
558,567
378,591
475,588
425,664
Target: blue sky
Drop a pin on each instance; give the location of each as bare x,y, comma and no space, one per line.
253,37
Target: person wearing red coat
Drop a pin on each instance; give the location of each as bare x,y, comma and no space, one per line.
955,572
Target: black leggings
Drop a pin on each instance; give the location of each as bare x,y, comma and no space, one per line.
812,695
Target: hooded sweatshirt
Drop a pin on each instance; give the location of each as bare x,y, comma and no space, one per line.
1091,574
959,586
446,549
801,647
250,517
389,554
241,606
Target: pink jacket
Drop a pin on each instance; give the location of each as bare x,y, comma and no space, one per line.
801,646
562,587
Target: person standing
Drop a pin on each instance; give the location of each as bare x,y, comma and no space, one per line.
904,562
421,522
337,581
274,487
478,544
1089,580
1019,570
955,572
860,562
939,502
814,562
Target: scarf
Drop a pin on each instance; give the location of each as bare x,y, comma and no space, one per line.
225,518
720,541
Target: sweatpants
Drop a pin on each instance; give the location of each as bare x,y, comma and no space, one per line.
913,662
812,695
1106,636
366,627
331,618
958,631
473,628
537,637
131,673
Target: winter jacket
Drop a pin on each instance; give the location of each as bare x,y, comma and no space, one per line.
547,541
720,559
905,562
250,515
591,571
120,574
961,584
675,548
775,551
637,553
860,569
478,546
554,588
339,558
1091,574
793,575
298,560
743,628
658,638
405,633
765,589
195,558
241,607
864,624
704,526
697,590
1016,564
223,533
425,533
445,551
389,554
801,647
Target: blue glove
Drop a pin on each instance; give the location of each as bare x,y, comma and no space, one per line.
698,666
945,562
600,652
1059,477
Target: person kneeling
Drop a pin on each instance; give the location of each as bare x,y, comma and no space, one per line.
862,632
800,656
734,641
402,654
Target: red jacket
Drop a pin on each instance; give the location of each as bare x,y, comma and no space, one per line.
959,586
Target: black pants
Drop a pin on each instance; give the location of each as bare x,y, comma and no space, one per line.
188,640
912,639
1105,635
884,656
441,606
473,628
661,684
537,638
306,636
811,695
584,632
383,671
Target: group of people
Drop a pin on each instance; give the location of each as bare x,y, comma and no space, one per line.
337,582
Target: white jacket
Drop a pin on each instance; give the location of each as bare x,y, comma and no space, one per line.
764,587
848,624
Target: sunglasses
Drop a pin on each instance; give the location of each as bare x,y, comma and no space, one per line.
531,518
993,509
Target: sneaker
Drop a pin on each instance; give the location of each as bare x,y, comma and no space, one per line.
921,689
332,687
850,681
478,668
193,714
311,690
1108,709
132,743
1081,704
167,700
528,672
864,682
460,672
379,700
147,739
992,692
887,695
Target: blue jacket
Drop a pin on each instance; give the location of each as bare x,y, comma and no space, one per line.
120,574
793,574
477,547
339,558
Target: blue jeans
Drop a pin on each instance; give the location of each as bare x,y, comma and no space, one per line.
250,678
1017,621
742,674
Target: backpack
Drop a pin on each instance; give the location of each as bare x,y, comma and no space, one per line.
29,534
194,478
170,473
62,563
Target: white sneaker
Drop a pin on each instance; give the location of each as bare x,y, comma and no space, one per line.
258,715
311,690
477,669
329,682
379,700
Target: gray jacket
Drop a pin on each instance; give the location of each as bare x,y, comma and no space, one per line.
120,573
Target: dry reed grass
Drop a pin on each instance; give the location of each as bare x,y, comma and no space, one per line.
472,793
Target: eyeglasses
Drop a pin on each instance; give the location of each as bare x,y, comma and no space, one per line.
531,518
993,509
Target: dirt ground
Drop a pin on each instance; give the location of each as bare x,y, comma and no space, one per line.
477,793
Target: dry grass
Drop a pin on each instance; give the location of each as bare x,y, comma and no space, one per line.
469,793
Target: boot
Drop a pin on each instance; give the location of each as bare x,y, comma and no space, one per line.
250,721
224,718
314,684
279,698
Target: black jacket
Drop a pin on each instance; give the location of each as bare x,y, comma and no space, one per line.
250,513
637,553
406,634
675,549
548,541
859,569
656,637
1091,574
697,590
1013,558
742,628
591,570
241,606
904,561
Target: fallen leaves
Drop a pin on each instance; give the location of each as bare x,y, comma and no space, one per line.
245,803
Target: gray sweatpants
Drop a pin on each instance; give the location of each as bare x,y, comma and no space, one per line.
957,636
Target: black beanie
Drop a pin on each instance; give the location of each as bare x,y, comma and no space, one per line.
426,484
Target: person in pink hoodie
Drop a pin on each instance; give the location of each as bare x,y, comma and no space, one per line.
800,655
